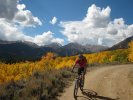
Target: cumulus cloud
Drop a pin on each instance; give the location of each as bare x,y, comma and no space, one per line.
8,8
97,28
11,32
47,38
13,11
25,17
14,17
97,17
53,21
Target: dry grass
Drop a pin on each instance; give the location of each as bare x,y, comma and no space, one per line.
40,86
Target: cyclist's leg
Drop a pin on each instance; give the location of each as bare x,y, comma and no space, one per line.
79,72
82,72
81,83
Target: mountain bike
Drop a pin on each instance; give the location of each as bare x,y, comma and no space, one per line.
79,83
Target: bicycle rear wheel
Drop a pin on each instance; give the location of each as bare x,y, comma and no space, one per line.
76,88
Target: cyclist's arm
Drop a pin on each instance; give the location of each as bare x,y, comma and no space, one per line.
74,66
76,62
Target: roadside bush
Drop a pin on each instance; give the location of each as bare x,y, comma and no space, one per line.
43,85
130,57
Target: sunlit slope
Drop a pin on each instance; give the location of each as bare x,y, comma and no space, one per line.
51,61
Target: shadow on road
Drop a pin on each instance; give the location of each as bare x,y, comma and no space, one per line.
92,95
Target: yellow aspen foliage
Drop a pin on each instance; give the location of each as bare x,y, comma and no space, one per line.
61,65
50,61
69,63
112,59
130,57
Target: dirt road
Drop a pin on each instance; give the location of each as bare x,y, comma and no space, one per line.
106,83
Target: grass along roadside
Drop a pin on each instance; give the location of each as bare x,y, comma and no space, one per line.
40,86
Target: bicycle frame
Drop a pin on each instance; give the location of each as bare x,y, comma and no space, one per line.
79,82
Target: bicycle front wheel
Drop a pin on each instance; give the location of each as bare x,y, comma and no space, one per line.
75,89
82,84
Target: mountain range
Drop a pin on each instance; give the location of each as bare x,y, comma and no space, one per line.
16,51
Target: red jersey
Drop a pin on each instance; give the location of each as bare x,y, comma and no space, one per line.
82,62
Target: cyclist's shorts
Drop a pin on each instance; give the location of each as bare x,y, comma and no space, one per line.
80,70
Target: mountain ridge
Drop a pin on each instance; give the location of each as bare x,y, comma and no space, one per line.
122,45
14,51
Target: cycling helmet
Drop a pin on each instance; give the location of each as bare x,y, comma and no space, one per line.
80,56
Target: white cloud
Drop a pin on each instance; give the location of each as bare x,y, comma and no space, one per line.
97,17
25,17
13,11
9,31
8,9
47,38
97,28
14,17
53,21
21,6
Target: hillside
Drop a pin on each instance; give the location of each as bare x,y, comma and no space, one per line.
122,45
96,48
33,78
14,51
19,51
72,49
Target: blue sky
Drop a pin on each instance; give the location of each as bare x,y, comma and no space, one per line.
100,22
76,9
72,10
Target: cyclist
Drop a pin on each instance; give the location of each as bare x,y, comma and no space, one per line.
82,62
